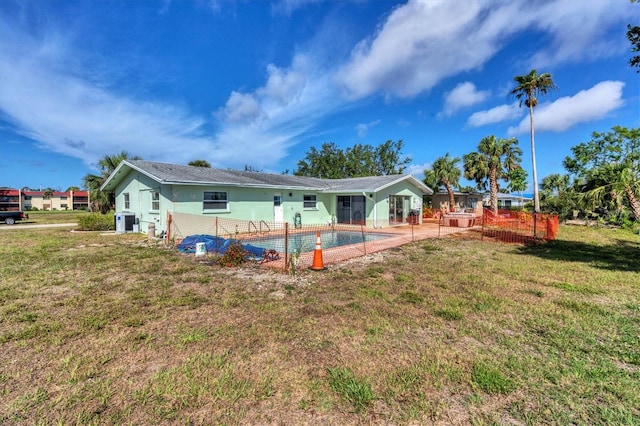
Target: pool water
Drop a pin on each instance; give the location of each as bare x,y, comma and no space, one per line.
307,242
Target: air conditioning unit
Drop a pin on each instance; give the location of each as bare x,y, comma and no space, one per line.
124,222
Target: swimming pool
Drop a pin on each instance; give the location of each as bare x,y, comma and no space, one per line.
307,242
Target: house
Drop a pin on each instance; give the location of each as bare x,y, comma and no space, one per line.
463,201
149,190
506,201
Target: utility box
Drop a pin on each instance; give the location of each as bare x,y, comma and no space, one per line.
124,222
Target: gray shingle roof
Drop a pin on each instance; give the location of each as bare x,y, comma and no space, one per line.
178,174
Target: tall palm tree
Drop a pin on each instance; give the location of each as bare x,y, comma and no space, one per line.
444,171
530,87
492,162
100,200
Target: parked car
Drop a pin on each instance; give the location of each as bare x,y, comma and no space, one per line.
10,217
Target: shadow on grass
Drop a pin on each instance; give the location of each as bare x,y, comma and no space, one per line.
620,256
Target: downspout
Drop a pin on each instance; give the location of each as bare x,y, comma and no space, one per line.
375,209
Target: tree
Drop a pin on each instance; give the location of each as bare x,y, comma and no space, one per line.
633,34
444,172
607,169
331,162
517,180
48,195
199,163
104,201
492,162
555,184
557,196
529,88
72,188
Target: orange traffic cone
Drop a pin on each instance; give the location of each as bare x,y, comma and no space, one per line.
318,265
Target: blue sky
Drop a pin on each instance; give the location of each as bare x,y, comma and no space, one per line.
257,83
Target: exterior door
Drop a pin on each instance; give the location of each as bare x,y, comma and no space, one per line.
278,213
351,209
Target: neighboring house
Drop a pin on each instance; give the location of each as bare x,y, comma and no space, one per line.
464,201
150,190
72,200
506,201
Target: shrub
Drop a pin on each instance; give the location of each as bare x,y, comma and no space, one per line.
235,255
96,222
428,212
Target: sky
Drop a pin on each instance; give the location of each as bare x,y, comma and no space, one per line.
257,83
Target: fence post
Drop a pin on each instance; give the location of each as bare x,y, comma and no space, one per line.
286,246
364,241
535,226
483,220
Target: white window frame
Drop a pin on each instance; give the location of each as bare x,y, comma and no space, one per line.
310,202
212,200
155,201
127,201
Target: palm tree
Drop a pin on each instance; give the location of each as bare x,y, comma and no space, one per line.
615,183
444,171
48,195
492,162
529,87
100,200
199,163
555,184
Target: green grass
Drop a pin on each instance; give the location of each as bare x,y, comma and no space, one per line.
116,329
56,216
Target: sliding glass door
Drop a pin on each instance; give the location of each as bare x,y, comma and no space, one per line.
399,207
351,209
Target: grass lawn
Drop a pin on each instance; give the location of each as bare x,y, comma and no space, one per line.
55,216
114,329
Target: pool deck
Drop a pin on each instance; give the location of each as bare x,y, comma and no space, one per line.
402,234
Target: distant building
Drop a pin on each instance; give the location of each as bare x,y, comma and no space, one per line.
16,199
9,200
506,201
463,201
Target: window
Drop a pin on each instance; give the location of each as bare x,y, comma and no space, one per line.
63,197
215,200
309,202
155,200
64,206
126,201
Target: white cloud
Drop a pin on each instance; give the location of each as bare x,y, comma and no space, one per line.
424,41
417,170
363,128
585,106
495,115
462,96
240,108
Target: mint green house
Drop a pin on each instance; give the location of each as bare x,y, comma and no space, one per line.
147,191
